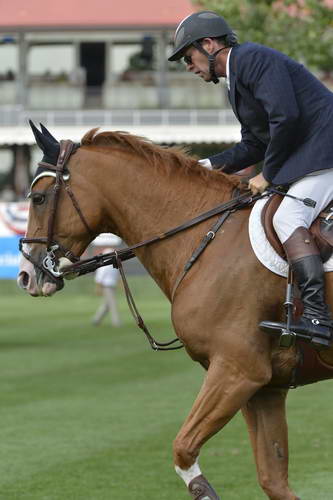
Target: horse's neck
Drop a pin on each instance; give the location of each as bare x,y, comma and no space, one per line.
144,201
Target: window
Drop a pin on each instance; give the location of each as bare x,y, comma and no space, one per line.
8,61
51,60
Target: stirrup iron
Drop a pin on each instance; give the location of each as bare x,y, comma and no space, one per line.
287,337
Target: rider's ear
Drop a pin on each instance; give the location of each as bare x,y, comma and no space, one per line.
208,44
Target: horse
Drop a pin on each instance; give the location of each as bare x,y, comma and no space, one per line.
126,185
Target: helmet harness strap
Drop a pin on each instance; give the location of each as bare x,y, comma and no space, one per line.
211,59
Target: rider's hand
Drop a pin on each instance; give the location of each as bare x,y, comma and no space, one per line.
258,184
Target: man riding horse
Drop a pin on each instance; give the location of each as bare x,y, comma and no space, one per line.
286,117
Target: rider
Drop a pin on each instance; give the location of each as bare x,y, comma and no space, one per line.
286,118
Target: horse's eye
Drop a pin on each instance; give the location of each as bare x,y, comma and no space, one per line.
38,198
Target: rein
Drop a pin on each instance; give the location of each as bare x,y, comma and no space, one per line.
115,258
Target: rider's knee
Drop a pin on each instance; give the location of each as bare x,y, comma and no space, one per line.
282,226
278,221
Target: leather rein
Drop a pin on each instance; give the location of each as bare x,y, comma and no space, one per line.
115,258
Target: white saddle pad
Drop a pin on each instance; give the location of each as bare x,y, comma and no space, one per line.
263,249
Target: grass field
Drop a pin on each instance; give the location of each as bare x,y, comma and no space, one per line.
90,413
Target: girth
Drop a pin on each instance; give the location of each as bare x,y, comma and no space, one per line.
321,229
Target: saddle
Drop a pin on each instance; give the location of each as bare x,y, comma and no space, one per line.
321,229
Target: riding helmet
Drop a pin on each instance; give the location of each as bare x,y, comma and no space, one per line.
196,26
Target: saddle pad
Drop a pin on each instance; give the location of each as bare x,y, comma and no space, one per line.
264,250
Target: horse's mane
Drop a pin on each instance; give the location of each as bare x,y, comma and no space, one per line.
158,156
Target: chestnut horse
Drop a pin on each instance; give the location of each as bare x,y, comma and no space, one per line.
125,185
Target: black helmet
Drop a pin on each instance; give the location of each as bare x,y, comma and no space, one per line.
204,24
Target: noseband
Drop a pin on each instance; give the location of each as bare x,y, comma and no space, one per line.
53,248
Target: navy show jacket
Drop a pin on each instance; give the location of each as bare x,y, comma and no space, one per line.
286,116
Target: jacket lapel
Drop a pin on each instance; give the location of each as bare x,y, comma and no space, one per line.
232,92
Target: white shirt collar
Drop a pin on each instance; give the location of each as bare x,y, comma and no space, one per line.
227,78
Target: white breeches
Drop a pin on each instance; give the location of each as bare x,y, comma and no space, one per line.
292,214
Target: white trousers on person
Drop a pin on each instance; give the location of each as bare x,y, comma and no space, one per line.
292,214
109,304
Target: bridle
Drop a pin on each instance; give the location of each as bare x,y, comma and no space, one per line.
53,248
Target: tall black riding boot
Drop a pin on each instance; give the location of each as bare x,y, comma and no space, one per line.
315,325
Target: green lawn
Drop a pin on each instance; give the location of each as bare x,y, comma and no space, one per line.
90,413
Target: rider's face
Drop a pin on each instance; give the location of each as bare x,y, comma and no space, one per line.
197,63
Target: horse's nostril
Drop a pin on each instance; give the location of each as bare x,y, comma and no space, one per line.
23,279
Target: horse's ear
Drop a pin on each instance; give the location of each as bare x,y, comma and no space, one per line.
43,142
48,134
48,145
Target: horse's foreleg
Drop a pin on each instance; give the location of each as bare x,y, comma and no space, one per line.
225,390
266,420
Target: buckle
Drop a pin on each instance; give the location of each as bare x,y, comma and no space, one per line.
287,339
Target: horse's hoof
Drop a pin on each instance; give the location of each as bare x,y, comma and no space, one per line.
200,489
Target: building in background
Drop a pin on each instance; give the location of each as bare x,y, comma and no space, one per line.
79,65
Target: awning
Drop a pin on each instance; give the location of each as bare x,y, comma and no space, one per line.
166,134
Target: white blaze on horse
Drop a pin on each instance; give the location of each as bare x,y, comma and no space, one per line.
119,183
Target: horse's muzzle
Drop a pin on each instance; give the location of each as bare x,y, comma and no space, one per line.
35,282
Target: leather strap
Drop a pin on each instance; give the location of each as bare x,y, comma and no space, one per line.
155,345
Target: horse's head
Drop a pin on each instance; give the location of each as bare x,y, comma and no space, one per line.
59,223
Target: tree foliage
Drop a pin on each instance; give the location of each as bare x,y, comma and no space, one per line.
303,29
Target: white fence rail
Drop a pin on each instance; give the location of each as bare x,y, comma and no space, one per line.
15,116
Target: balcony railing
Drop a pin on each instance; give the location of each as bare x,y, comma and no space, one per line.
15,116
177,91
